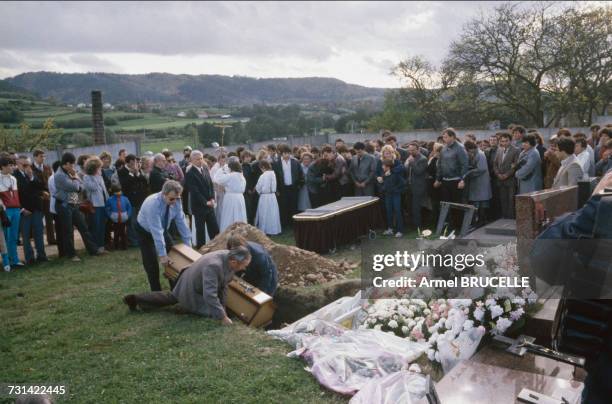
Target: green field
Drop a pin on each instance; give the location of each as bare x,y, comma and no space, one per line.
156,146
38,111
65,323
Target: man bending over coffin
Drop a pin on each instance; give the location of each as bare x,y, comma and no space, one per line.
261,272
202,287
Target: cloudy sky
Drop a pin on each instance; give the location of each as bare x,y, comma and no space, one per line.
358,42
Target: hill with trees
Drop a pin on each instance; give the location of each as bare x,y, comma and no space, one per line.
177,89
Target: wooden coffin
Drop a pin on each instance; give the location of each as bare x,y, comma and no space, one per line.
181,257
254,307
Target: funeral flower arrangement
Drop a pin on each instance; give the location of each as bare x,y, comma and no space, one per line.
453,327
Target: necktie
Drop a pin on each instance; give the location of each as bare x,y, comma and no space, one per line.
358,161
166,217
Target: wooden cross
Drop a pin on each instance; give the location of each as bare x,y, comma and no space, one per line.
222,126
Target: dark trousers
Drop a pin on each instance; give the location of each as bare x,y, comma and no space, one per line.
49,227
450,193
250,200
393,207
155,299
59,236
97,226
495,211
149,255
287,201
347,189
506,201
119,236
315,200
33,225
71,216
132,232
416,204
206,220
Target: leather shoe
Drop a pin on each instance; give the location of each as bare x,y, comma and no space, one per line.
130,300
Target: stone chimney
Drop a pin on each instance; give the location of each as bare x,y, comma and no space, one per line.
97,117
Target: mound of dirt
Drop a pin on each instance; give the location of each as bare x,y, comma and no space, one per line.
296,267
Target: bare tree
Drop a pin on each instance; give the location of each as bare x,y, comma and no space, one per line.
425,87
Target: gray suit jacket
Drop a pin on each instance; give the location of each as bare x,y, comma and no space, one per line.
67,188
503,165
202,288
415,171
479,182
530,174
569,173
364,171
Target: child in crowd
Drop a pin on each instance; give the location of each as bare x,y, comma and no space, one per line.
119,210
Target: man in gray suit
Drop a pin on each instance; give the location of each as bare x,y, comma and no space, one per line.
201,288
416,165
529,166
505,157
363,171
570,171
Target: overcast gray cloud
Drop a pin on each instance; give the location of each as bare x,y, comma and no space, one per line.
358,42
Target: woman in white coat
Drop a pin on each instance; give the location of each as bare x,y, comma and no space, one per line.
267,218
233,209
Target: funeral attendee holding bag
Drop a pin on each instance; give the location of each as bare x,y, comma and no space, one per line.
201,198
31,198
9,195
97,194
156,215
202,288
67,188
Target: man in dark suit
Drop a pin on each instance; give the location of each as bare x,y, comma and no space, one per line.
31,197
289,178
495,211
503,170
158,174
416,166
135,187
201,198
42,171
363,171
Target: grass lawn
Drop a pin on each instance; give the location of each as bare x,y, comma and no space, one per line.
65,322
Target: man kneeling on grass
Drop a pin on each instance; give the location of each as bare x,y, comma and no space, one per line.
201,288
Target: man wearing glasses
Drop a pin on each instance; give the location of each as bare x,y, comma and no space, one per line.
156,214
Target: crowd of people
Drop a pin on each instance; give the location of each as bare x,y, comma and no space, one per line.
116,204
